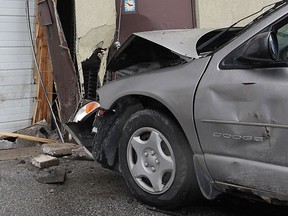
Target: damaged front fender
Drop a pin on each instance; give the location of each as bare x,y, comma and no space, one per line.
108,128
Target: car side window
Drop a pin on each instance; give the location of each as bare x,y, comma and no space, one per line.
282,36
280,30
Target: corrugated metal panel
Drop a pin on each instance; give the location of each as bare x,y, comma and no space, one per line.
17,87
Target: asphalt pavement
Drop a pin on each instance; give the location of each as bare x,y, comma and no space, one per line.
90,189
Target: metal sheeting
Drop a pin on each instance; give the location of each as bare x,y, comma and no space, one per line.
17,87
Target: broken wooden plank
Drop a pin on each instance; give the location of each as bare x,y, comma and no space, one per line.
22,136
42,110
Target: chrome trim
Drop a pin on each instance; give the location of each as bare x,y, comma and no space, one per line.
246,123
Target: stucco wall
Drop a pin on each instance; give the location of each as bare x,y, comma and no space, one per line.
221,13
96,23
95,28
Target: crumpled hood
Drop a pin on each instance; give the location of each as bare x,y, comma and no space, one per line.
181,42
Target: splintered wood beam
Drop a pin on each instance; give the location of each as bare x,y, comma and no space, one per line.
26,137
42,110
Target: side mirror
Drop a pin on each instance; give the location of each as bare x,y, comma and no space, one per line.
262,48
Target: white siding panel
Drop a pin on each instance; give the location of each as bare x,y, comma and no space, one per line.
15,50
17,80
16,125
16,19
15,8
16,65
13,27
17,88
24,102
8,36
16,114
15,73
16,77
14,43
15,58
15,117
16,110
17,92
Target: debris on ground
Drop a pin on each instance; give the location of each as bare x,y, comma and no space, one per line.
31,136
28,142
59,149
21,153
81,153
26,137
52,175
45,161
6,144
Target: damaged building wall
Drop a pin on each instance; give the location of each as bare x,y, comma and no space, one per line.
95,27
64,73
222,13
17,87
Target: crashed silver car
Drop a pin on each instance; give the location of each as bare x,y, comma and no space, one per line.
197,112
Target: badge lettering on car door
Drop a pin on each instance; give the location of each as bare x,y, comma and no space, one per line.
237,137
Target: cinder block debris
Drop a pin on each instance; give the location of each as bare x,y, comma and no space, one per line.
39,130
5,144
82,153
59,149
52,176
45,161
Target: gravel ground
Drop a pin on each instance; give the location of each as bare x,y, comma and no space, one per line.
91,190
88,190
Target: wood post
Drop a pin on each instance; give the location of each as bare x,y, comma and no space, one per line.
42,110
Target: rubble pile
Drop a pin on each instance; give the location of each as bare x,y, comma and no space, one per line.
45,149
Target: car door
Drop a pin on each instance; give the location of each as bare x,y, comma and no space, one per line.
241,112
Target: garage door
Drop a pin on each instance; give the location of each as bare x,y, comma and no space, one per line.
17,88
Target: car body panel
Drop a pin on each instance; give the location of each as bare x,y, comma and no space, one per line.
170,95
186,42
242,120
235,119
181,42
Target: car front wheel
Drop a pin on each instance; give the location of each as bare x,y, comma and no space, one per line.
156,161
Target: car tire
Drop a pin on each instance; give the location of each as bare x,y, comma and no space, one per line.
156,160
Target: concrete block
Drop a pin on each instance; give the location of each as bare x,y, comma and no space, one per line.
30,131
52,176
5,144
82,153
59,149
44,161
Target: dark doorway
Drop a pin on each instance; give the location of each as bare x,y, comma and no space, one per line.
66,11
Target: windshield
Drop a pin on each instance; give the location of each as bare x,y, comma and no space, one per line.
226,34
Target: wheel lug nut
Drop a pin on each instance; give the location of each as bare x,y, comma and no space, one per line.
157,161
146,164
146,154
152,153
153,169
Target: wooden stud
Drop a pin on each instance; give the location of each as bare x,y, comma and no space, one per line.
22,136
